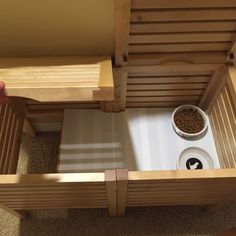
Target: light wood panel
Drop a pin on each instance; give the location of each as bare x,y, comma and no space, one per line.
75,79
11,125
155,188
95,190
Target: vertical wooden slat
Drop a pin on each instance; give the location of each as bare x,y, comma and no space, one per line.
122,187
122,23
16,146
110,178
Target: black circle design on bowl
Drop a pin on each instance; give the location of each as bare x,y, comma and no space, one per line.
194,164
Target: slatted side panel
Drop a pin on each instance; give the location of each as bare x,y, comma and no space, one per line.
54,191
172,188
11,125
223,120
167,85
174,32
171,26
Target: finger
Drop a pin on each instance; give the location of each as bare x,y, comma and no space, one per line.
2,86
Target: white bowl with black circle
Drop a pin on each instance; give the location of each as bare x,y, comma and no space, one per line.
194,158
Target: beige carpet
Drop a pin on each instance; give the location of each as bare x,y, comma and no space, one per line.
40,155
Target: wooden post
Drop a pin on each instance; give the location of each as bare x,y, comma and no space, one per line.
18,214
215,85
110,178
122,24
120,85
122,186
21,108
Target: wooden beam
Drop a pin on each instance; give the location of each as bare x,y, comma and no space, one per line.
214,83
122,23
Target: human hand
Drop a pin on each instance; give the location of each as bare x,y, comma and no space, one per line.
3,98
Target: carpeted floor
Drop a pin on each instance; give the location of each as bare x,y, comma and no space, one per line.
40,156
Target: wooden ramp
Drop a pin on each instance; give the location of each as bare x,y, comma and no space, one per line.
58,79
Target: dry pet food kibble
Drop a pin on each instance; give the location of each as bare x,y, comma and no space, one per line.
189,121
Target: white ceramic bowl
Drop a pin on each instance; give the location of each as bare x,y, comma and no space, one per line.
194,158
185,135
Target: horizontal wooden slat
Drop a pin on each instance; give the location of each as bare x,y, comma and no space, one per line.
64,106
180,47
167,86
164,93
181,38
173,27
163,99
157,104
183,15
153,4
172,70
190,57
173,79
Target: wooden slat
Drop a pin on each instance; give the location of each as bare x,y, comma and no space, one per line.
167,86
189,57
180,47
157,104
50,107
153,4
183,69
173,79
181,38
173,27
225,155
217,141
163,99
183,15
164,93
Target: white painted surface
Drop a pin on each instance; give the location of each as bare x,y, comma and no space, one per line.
138,139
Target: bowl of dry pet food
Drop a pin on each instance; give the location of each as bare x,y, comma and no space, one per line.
189,122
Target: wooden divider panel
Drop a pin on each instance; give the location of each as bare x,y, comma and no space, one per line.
157,188
42,191
11,125
169,32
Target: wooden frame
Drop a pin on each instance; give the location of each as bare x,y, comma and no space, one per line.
42,191
158,188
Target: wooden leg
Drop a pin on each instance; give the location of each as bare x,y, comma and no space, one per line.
110,178
18,214
28,128
122,186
